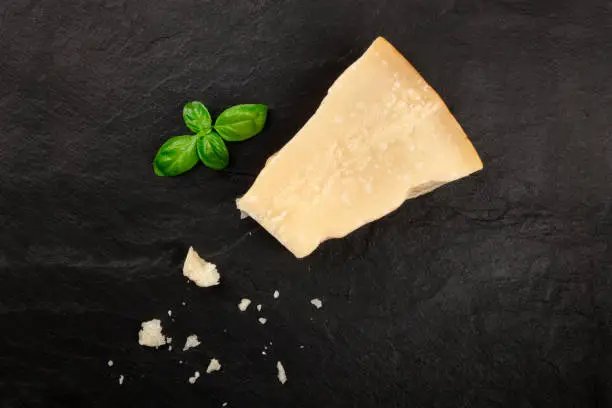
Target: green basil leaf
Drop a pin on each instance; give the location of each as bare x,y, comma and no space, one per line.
241,122
212,151
197,118
176,156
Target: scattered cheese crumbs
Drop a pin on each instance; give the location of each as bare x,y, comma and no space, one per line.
259,308
317,303
202,273
151,334
213,366
170,313
276,294
244,303
110,363
195,377
191,342
121,378
262,320
282,376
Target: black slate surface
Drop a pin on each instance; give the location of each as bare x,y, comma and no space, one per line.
494,291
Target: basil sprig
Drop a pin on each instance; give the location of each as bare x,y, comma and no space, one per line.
180,153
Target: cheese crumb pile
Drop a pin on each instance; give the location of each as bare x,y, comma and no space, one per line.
151,334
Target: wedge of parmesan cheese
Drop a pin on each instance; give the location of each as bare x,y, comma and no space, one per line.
201,272
381,135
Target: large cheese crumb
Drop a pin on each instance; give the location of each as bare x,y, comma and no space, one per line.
317,303
195,377
244,303
282,376
151,334
199,271
191,342
213,366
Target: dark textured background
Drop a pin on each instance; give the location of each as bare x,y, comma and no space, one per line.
494,291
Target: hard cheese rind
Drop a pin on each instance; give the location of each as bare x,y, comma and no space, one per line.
381,135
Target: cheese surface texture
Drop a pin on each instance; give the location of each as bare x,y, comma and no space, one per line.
381,135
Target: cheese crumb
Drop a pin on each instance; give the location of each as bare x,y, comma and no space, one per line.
263,353
110,363
244,303
224,404
317,303
276,294
151,334
121,378
191,342
259,308
213,366
282,376
195,377
169,313
262,320
202,273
